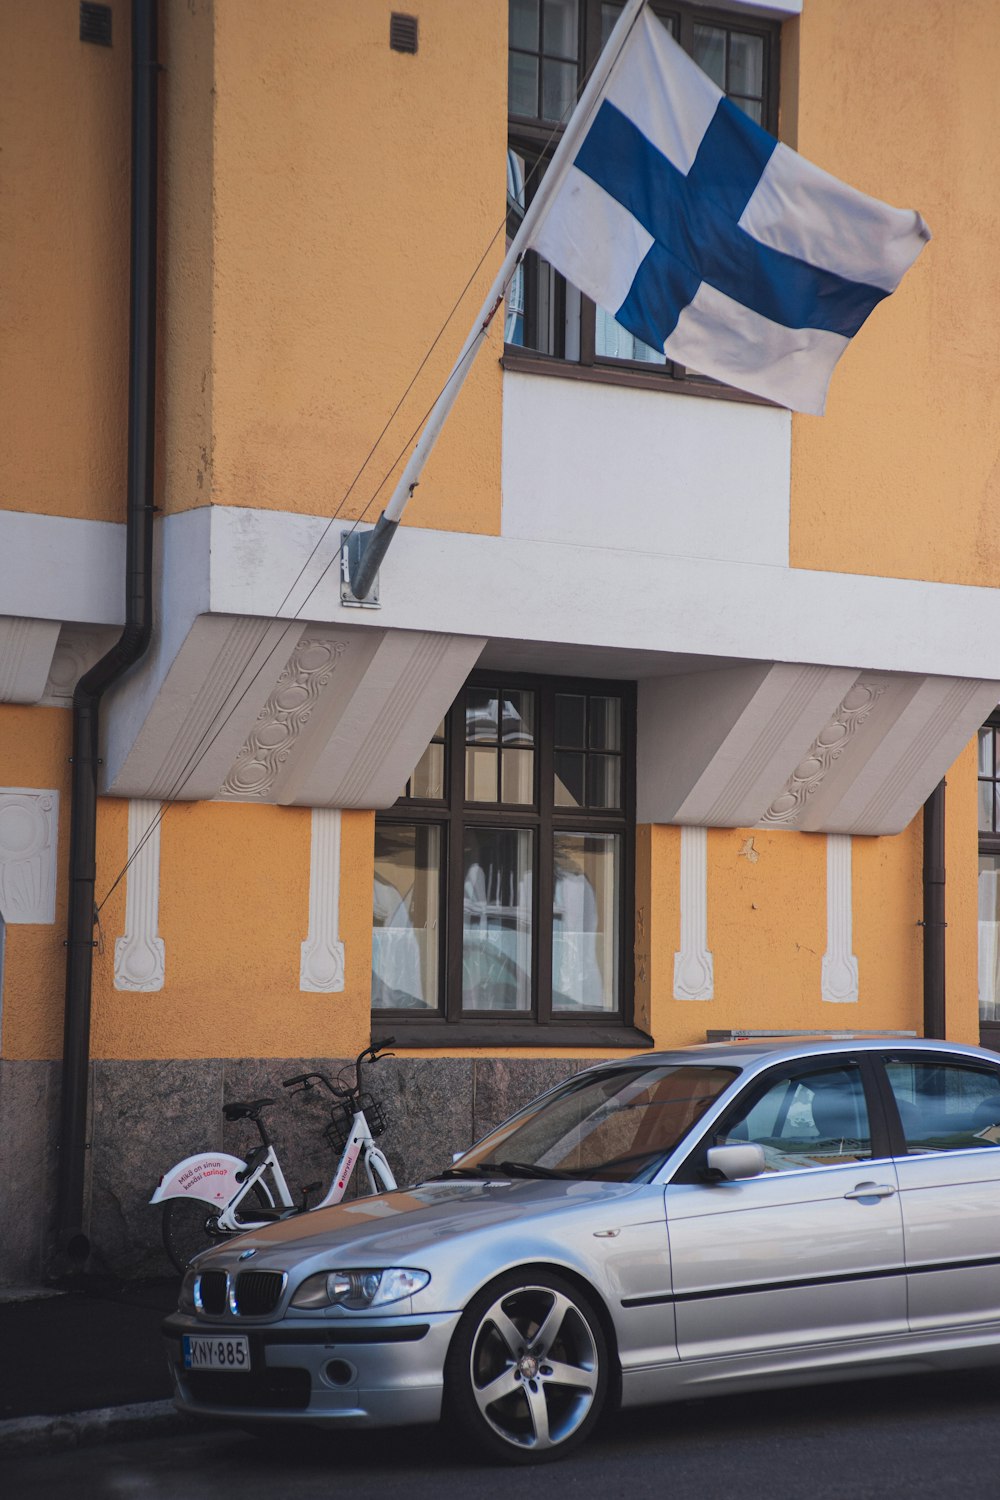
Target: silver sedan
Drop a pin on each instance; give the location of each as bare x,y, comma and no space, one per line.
709,1220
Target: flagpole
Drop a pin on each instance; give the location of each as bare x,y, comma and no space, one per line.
371,547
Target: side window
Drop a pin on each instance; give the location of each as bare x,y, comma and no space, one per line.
945,1107
804,1119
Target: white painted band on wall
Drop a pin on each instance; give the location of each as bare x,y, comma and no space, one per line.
140,957
693,972
840,967
322,963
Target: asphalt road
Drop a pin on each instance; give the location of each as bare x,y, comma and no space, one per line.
934,1437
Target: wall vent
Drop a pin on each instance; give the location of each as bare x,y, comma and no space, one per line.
402,32
95,23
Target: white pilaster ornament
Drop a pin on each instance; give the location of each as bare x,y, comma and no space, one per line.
322,964
29,824
139,955
693,973
840,967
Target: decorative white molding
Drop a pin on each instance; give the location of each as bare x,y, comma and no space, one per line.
322,964
139,955
309,670
29,825
840,967
26,648
78,649
693,971
827,748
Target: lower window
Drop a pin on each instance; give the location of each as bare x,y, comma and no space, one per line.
503,875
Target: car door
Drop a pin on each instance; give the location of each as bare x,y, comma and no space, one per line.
948,1168
811,1250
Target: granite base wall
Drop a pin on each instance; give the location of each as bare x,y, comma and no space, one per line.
147,1115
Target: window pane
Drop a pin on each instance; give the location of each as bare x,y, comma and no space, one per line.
524,24
989,933
406,916
612,341
946,1108
605,723
480,775
517,772
522,84
481,716
559,28
751,107
571,719
428,777
710,52
569,774
986,752
496,919
603,781
746,64
986,791
558,90
586,921
808,1120
518,718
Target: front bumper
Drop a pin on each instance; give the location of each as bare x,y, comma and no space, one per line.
372,1373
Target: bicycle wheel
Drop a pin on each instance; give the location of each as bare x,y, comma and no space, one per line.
191,1225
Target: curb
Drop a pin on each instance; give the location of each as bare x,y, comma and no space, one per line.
23,1436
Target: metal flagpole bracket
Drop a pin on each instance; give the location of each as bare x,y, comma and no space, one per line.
361,552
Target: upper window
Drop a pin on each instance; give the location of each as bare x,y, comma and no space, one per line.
503,873
552,46
989,879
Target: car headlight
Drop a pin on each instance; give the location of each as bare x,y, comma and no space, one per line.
358,1289
185,1300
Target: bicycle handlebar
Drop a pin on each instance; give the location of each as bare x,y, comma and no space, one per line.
375,1053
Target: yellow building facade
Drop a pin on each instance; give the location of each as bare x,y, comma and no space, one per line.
773,634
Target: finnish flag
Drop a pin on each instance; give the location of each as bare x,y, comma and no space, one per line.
709,240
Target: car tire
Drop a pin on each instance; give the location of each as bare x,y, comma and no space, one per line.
527,1372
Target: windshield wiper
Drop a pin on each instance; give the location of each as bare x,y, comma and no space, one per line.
484,1170
531,1169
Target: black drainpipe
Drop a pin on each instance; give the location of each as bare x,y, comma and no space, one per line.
134,640
934,923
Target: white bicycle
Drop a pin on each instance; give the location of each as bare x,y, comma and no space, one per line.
209,1196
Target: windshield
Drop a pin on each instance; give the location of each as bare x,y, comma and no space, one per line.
618,1124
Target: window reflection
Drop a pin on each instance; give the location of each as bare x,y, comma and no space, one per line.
496,919
585,925
406,916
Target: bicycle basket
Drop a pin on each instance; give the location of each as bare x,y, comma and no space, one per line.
338,1132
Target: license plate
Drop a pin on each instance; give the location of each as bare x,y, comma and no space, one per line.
217,1354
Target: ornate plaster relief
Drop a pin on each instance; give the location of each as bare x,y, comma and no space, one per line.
693,971
139,955
322,963
29,823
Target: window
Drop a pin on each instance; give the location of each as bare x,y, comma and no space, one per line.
552,46
989,880
805,1120
503,874
945,1108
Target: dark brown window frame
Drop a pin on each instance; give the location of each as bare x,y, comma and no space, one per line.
989,843
534,137
449,1027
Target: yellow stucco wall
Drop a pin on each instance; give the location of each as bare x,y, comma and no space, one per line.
327,275
901,476
64,251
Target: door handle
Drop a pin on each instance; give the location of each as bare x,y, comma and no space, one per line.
871,1190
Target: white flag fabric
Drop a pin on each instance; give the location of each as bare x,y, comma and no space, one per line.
708,239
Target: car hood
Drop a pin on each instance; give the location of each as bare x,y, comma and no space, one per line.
391,1227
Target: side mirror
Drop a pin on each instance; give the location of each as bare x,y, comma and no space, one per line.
731,1163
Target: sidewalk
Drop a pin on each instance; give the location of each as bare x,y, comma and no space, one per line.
81,1364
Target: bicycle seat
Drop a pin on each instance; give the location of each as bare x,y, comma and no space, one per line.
245,1109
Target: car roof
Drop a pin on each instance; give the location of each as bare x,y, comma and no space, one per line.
749,1051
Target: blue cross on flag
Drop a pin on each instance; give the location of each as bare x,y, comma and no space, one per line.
708,239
